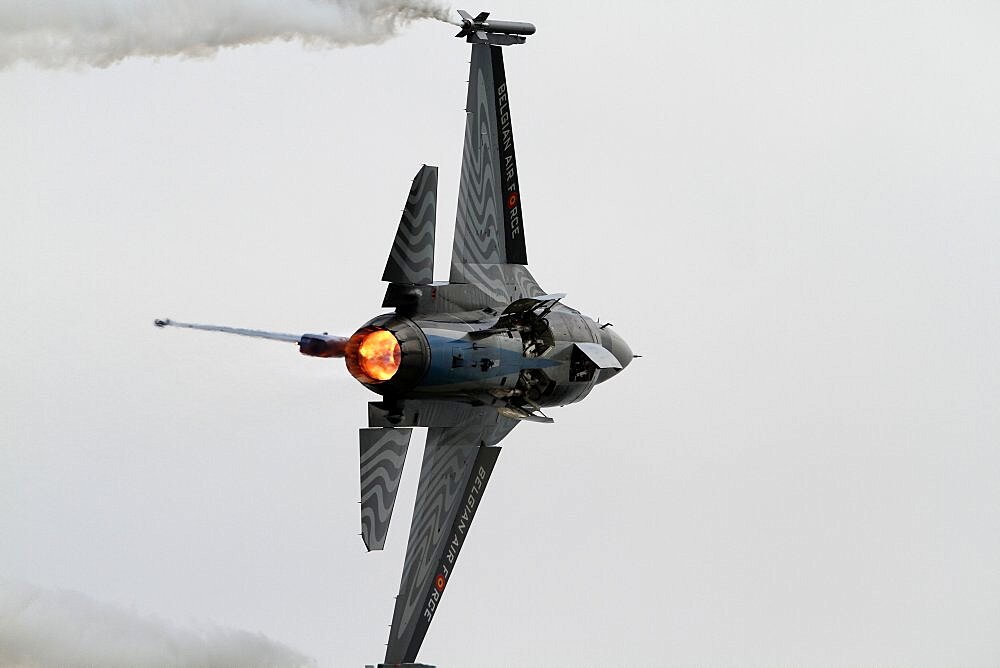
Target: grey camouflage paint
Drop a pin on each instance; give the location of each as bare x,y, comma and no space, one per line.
383,452
411,259
479,252
448,465
481,261
476,356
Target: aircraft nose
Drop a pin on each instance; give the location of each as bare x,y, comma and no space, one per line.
616,345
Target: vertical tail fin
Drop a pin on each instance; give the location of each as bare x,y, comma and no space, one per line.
411,259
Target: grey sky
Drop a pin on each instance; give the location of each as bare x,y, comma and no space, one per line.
790,208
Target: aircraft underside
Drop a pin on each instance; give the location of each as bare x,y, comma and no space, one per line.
469,359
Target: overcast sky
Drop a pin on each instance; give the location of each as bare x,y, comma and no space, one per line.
791,209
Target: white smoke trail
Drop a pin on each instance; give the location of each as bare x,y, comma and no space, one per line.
60,628
71,33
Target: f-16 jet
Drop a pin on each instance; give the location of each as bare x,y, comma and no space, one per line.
469,358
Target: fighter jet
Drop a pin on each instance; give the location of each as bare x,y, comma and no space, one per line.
469,358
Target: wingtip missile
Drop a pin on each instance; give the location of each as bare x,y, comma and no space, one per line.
479,29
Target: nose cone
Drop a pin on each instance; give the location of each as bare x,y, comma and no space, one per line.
616,346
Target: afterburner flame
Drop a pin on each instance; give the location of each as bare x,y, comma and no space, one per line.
379,354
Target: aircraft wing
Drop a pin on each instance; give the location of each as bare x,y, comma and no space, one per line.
457,464
489,249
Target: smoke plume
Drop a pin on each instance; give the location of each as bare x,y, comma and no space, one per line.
62,628
71,33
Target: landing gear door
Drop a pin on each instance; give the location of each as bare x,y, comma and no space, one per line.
588,358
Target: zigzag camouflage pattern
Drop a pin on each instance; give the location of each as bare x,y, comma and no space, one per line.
483,224
468,359
502,284
383,452
448,465
411,259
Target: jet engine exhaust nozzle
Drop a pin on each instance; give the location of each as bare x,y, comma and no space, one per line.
388,354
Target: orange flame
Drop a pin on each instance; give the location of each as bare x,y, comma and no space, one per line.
379,354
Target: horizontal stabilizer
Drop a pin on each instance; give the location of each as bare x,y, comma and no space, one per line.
383,452
412,257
